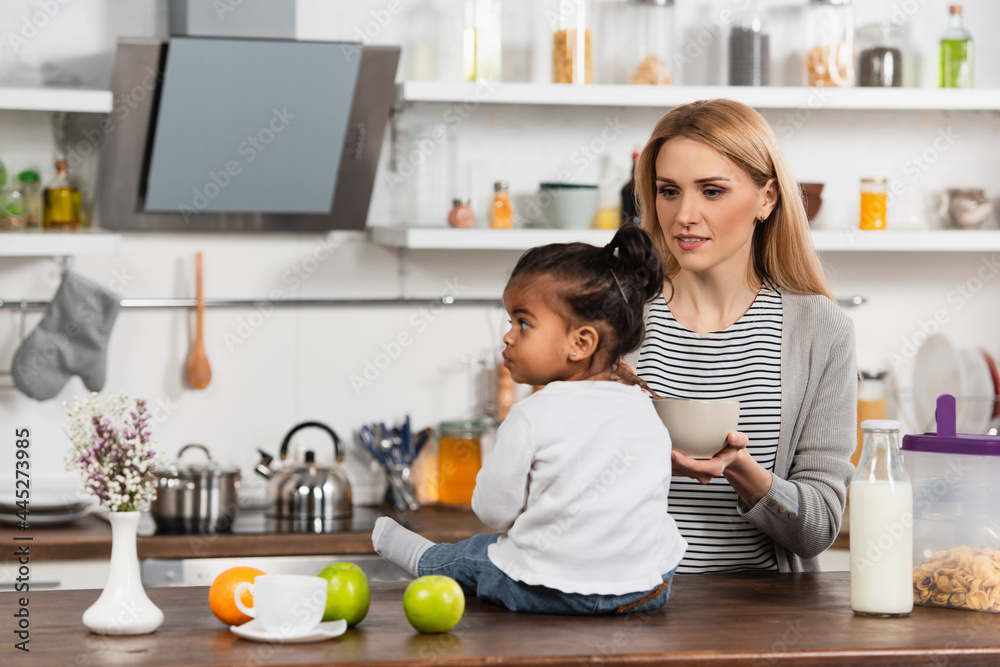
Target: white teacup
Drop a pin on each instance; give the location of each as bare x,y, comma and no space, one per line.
285,604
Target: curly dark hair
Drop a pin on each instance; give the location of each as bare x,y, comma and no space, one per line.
606,287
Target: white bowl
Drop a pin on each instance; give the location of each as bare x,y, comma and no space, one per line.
698,428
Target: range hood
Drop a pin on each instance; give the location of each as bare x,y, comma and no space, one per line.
237,134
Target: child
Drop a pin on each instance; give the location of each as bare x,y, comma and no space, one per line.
579,475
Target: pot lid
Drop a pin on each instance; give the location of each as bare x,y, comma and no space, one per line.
946,441
178,468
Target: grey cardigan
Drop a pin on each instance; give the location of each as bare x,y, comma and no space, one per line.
812,469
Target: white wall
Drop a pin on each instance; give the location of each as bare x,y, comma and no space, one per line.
298,363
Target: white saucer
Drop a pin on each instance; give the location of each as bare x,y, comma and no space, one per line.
252,630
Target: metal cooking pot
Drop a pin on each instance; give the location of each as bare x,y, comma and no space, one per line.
306,496
195,497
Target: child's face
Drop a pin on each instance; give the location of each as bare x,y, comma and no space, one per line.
539,345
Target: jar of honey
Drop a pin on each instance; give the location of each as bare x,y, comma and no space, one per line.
873,203
459,460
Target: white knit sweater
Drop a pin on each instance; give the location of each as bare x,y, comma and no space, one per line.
578,481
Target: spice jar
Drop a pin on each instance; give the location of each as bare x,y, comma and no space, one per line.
650,42
459,461
572,61
481,40
462,215
503,210
873,203
749,51
880,63
830,59
31,186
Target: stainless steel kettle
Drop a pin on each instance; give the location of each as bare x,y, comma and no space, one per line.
306,496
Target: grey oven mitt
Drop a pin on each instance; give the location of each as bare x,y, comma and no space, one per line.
71,339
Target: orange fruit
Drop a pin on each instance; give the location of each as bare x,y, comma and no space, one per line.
222,594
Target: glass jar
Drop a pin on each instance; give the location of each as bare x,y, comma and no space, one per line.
31,186
572,47
873,203
871,404
881,525
461,215
830,58
649,25
481,41
749,51
459,461
503,211
421,172
880,56
956,53
13,207
61,206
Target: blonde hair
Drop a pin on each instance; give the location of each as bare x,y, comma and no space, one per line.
782,249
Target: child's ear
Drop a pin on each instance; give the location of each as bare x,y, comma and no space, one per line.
583,343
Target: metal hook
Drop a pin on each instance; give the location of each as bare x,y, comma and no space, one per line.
65,264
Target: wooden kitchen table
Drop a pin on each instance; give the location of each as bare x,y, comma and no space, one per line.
749,619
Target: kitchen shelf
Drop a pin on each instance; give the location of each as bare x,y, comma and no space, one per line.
767,97
79,100
446,238
45,243
846,240
946,240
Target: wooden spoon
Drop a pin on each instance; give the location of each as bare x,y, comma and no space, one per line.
631,378
199,372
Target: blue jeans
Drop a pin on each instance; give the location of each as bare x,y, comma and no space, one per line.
467,563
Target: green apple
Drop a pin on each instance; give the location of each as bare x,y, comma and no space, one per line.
434,603
347,594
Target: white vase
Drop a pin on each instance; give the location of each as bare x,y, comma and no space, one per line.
123,608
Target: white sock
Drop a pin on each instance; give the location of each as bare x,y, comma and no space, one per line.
400,546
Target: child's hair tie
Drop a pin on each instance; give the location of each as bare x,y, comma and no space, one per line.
612,251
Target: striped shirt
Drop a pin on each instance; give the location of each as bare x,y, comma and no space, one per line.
742,363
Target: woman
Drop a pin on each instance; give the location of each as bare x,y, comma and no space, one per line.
747,315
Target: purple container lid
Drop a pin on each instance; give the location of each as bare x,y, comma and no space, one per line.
946,441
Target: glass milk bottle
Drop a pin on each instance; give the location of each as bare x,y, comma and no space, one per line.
881,525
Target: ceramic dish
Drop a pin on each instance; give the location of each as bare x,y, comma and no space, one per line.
43,502
35,519
937,369
977,393
995,375
253,631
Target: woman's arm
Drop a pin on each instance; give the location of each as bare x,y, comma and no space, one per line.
502,483
803,512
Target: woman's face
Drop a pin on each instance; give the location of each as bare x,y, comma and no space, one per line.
707,207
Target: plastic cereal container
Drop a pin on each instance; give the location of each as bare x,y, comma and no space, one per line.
956,515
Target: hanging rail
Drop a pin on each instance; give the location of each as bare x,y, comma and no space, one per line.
21,304
278,303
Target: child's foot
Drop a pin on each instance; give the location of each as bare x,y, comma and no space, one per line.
400,546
